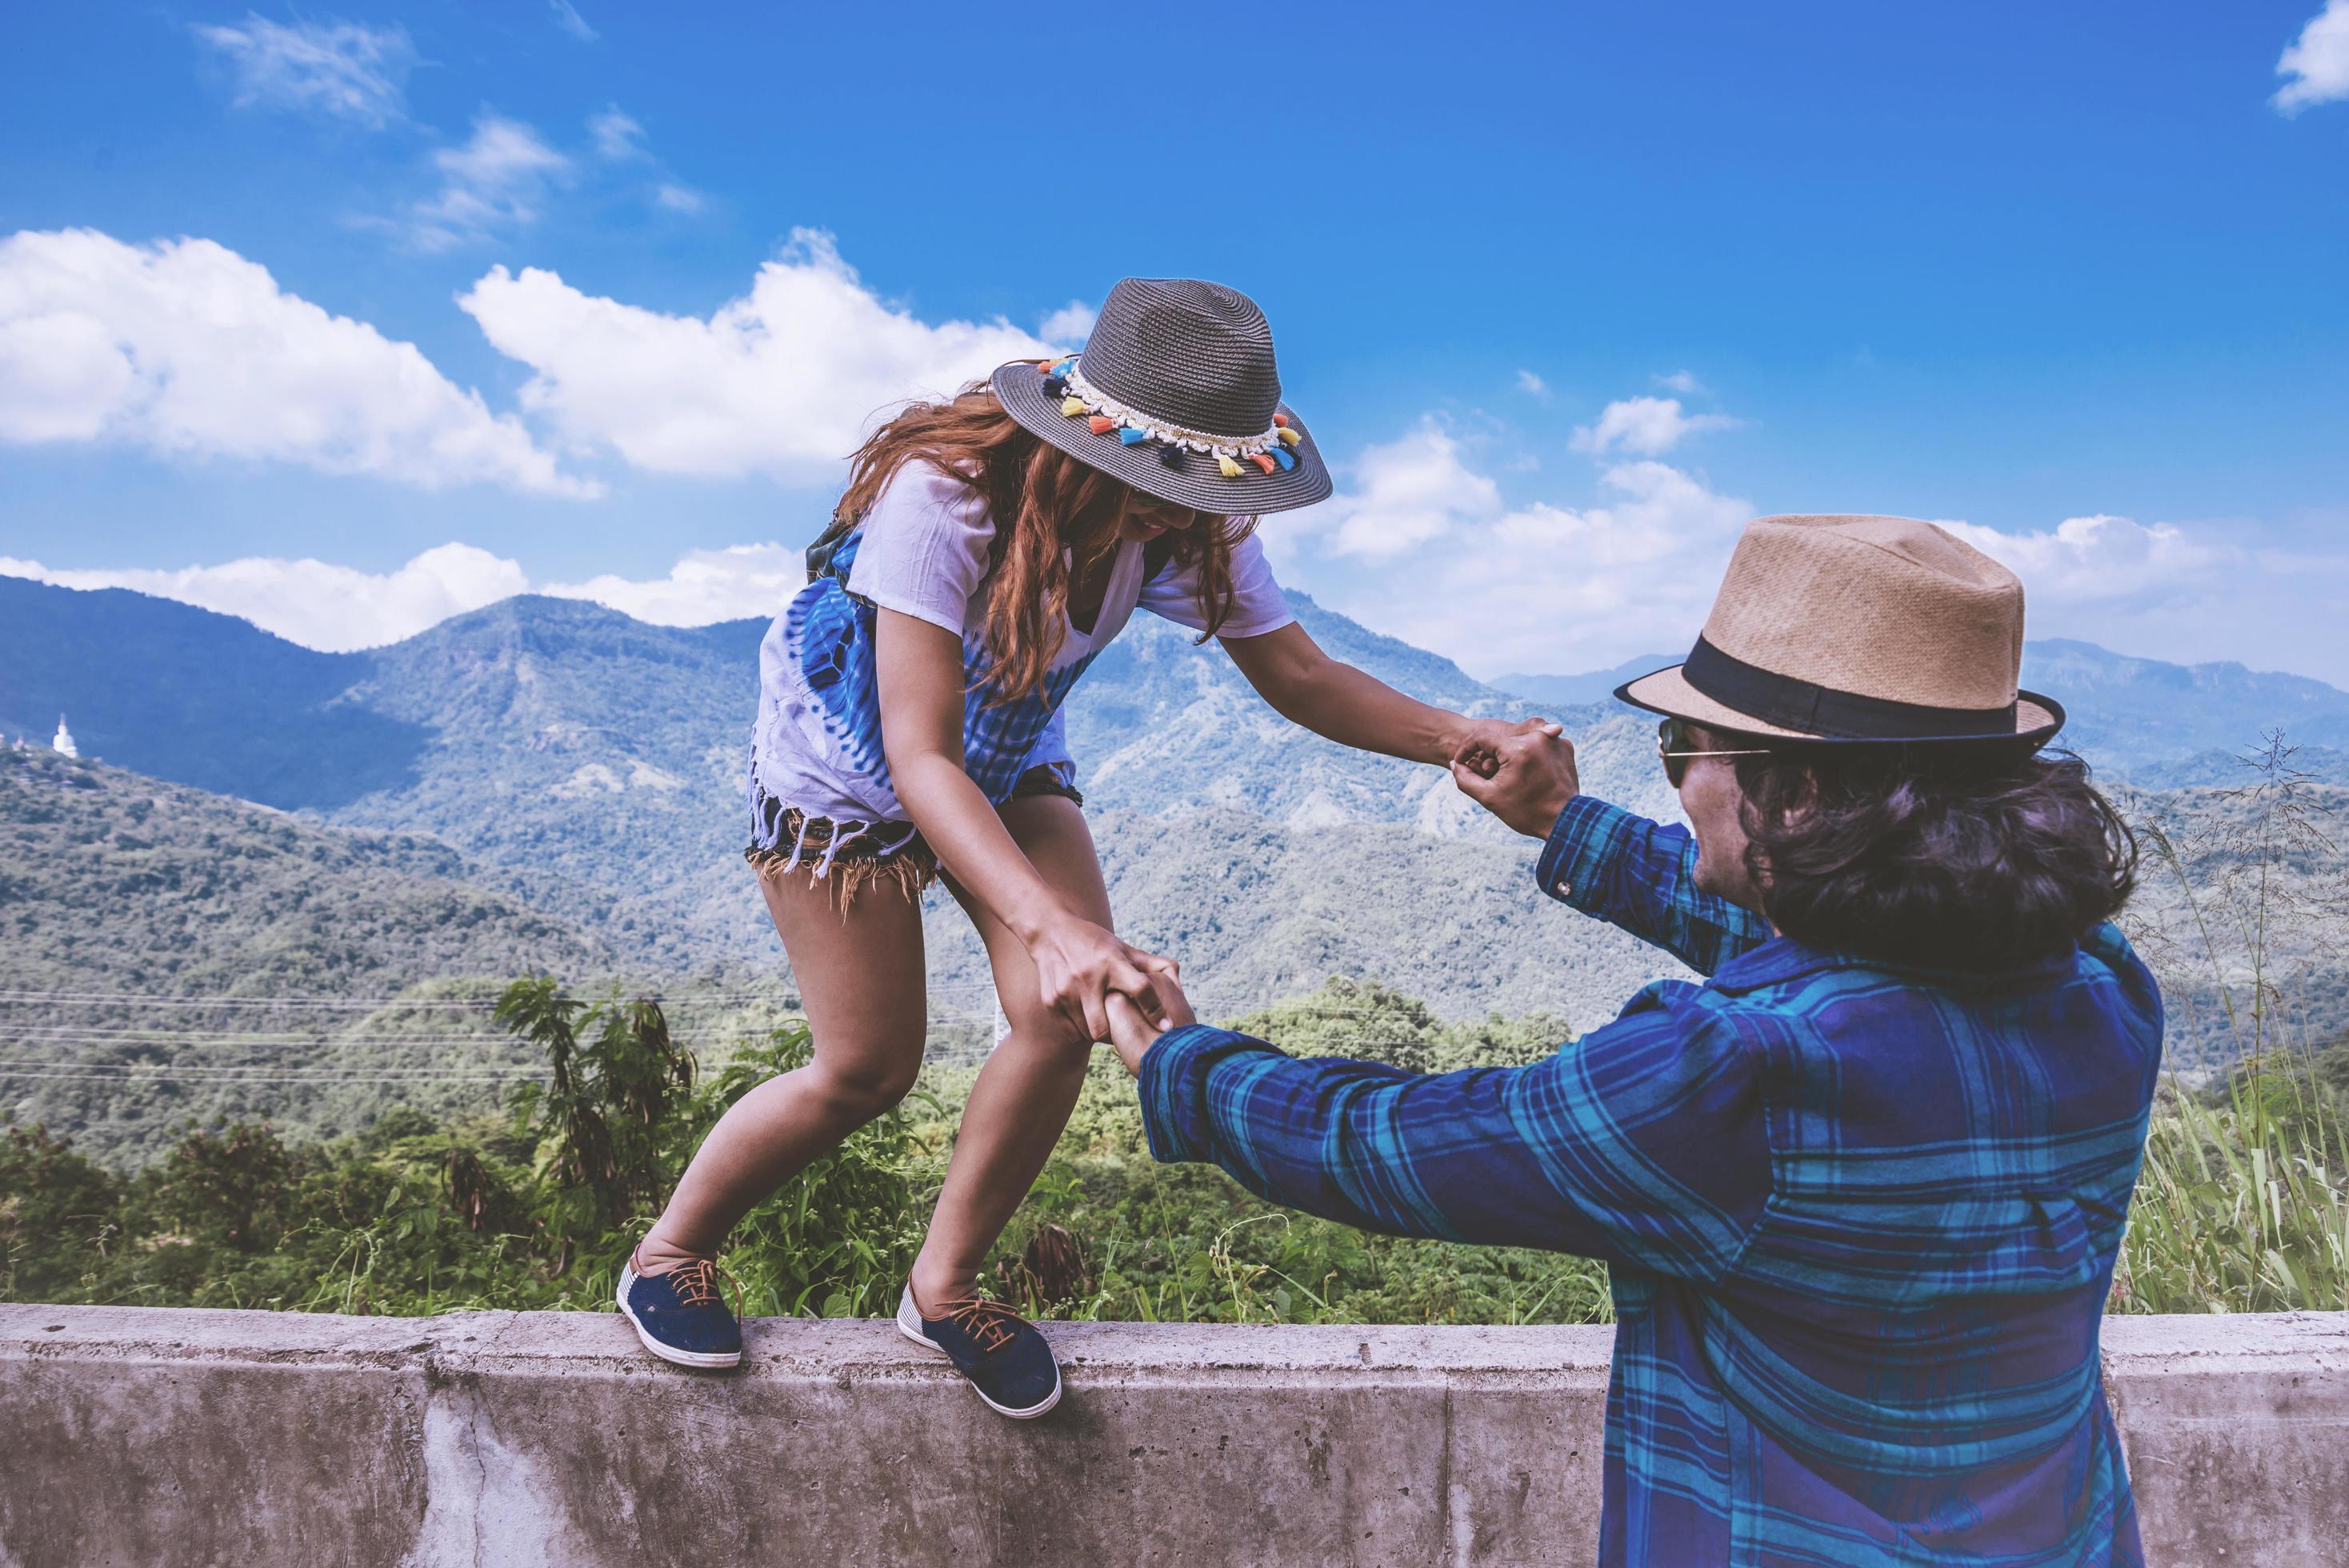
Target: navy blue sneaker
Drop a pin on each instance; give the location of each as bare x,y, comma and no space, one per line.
999,1351
681,1317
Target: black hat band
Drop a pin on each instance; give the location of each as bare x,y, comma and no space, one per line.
1800,705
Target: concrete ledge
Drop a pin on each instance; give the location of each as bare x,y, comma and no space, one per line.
139,1436
2237,1431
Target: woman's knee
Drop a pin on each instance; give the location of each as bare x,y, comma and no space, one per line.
865,1086
1049,1038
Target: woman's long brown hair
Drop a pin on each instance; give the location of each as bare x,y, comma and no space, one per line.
1056,519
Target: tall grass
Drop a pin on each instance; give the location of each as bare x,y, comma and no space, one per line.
2242,1205
2243,1201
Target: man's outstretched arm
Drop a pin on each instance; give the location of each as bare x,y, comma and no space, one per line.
1638,1143
1642,875
1604,860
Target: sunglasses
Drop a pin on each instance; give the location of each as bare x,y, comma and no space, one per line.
1672,744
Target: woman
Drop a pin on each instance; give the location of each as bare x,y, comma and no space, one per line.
986,551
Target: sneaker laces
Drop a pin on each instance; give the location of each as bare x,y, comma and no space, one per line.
985,1321
695,1282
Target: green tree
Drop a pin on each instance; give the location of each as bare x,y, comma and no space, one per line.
58,1214
840,1238
613,1076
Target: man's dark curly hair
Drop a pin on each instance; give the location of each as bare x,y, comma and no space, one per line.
1967,856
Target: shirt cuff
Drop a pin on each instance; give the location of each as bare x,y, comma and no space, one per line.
1173,1087
1262,627
906,604
1572,852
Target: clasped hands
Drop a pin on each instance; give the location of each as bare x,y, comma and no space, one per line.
1523,773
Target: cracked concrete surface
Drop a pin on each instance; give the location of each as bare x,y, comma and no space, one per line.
139,1436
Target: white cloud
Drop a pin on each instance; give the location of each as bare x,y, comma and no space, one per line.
1553,589
2317,62
618,136
1538,587
1545,587
1529,382
185,348
2185,592
499,179
1643,427
341,69
338,608
319,605
785,381
1404,494
1423,546
704,585
1071,323
2085,560
1559,589
1683,382
567,18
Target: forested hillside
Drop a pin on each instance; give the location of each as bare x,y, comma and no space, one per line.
113,881
547,783
114,887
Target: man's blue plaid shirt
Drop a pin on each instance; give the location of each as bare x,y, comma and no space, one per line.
1862,1220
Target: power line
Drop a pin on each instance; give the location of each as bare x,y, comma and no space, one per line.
169,1037
202,1039
126,1070
295,1042
329,999
141,999
683,998
177,1079
1202,1001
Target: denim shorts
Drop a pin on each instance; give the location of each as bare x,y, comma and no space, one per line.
787,840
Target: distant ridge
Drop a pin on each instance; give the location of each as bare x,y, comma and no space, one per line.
2178,723
595,762
211,700
190,695
1597,686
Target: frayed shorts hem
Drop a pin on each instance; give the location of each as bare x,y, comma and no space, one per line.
853,856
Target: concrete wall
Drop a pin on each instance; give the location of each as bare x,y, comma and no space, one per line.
140,1436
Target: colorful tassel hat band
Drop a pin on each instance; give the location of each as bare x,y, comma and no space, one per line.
1081,399
1176,392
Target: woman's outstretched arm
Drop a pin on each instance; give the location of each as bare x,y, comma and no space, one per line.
1352,707
1078,963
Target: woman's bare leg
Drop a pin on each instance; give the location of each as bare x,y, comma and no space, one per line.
1023,1094
861,977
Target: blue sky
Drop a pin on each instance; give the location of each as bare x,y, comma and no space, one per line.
348,320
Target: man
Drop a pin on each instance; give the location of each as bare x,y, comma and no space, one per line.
1862,1189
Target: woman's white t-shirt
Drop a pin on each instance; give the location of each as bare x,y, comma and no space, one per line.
922,551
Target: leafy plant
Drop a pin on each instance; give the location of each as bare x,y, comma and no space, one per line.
600,1116
2242,1204
840,1238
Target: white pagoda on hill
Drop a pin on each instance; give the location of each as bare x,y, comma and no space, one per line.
64,744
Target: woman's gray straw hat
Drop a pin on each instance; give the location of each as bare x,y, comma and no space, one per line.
1176,393
1857,630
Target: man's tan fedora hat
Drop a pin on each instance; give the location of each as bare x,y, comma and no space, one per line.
1857,629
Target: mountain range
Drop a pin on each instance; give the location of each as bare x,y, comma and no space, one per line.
2152,722
587,768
